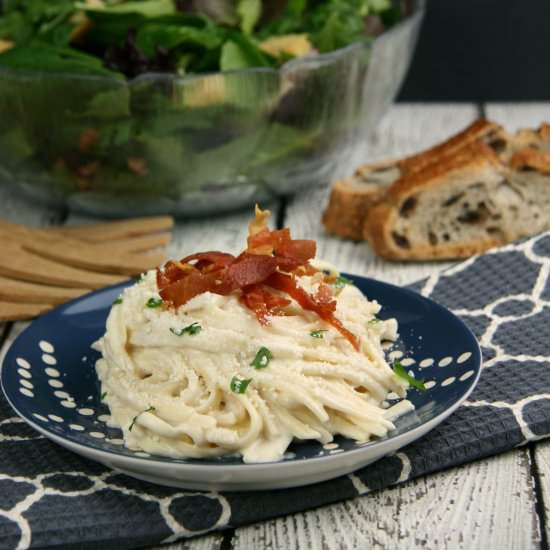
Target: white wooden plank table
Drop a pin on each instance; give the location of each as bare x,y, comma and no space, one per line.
500,502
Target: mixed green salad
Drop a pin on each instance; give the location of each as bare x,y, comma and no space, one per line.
134,130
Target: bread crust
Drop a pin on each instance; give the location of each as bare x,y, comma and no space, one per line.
366,170
544,131
476,155
531,159
447,149
344,215
352,198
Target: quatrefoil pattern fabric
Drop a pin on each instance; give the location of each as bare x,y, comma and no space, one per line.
50,496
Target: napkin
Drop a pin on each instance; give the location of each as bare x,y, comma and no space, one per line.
50,496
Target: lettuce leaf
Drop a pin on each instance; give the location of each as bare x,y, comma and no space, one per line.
240,53
145,8
249,12
153,35
44,57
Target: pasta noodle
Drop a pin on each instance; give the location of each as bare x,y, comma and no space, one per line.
207,378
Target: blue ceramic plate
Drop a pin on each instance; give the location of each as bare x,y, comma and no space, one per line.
48,376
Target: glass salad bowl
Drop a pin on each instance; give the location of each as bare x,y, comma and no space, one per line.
196,144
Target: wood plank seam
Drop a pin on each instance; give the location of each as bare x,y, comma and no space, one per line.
539,496
280,218
227,541
482,111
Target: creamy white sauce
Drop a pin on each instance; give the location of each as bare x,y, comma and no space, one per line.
171,395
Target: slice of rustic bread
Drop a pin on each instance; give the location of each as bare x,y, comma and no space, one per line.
444,211
472,202
481,188
533,139
352,198
529,176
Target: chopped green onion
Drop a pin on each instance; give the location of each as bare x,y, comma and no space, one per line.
103,395
140,278
317,333
262,359
139,414
400,371
239,385
117,301
192,329
373,321
154,302
342,281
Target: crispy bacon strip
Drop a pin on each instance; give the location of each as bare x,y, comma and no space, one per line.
324,294
259,222
250,269
270,260
220,259
287,284
174,271
262,302
281,244
182,290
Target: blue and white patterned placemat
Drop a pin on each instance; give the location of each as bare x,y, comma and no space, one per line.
52,497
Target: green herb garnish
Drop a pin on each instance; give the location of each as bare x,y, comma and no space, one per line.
400,371
373,321
317,333
103,395
192,329
239,385
342,281
154,302
117,301
149,409
262,359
